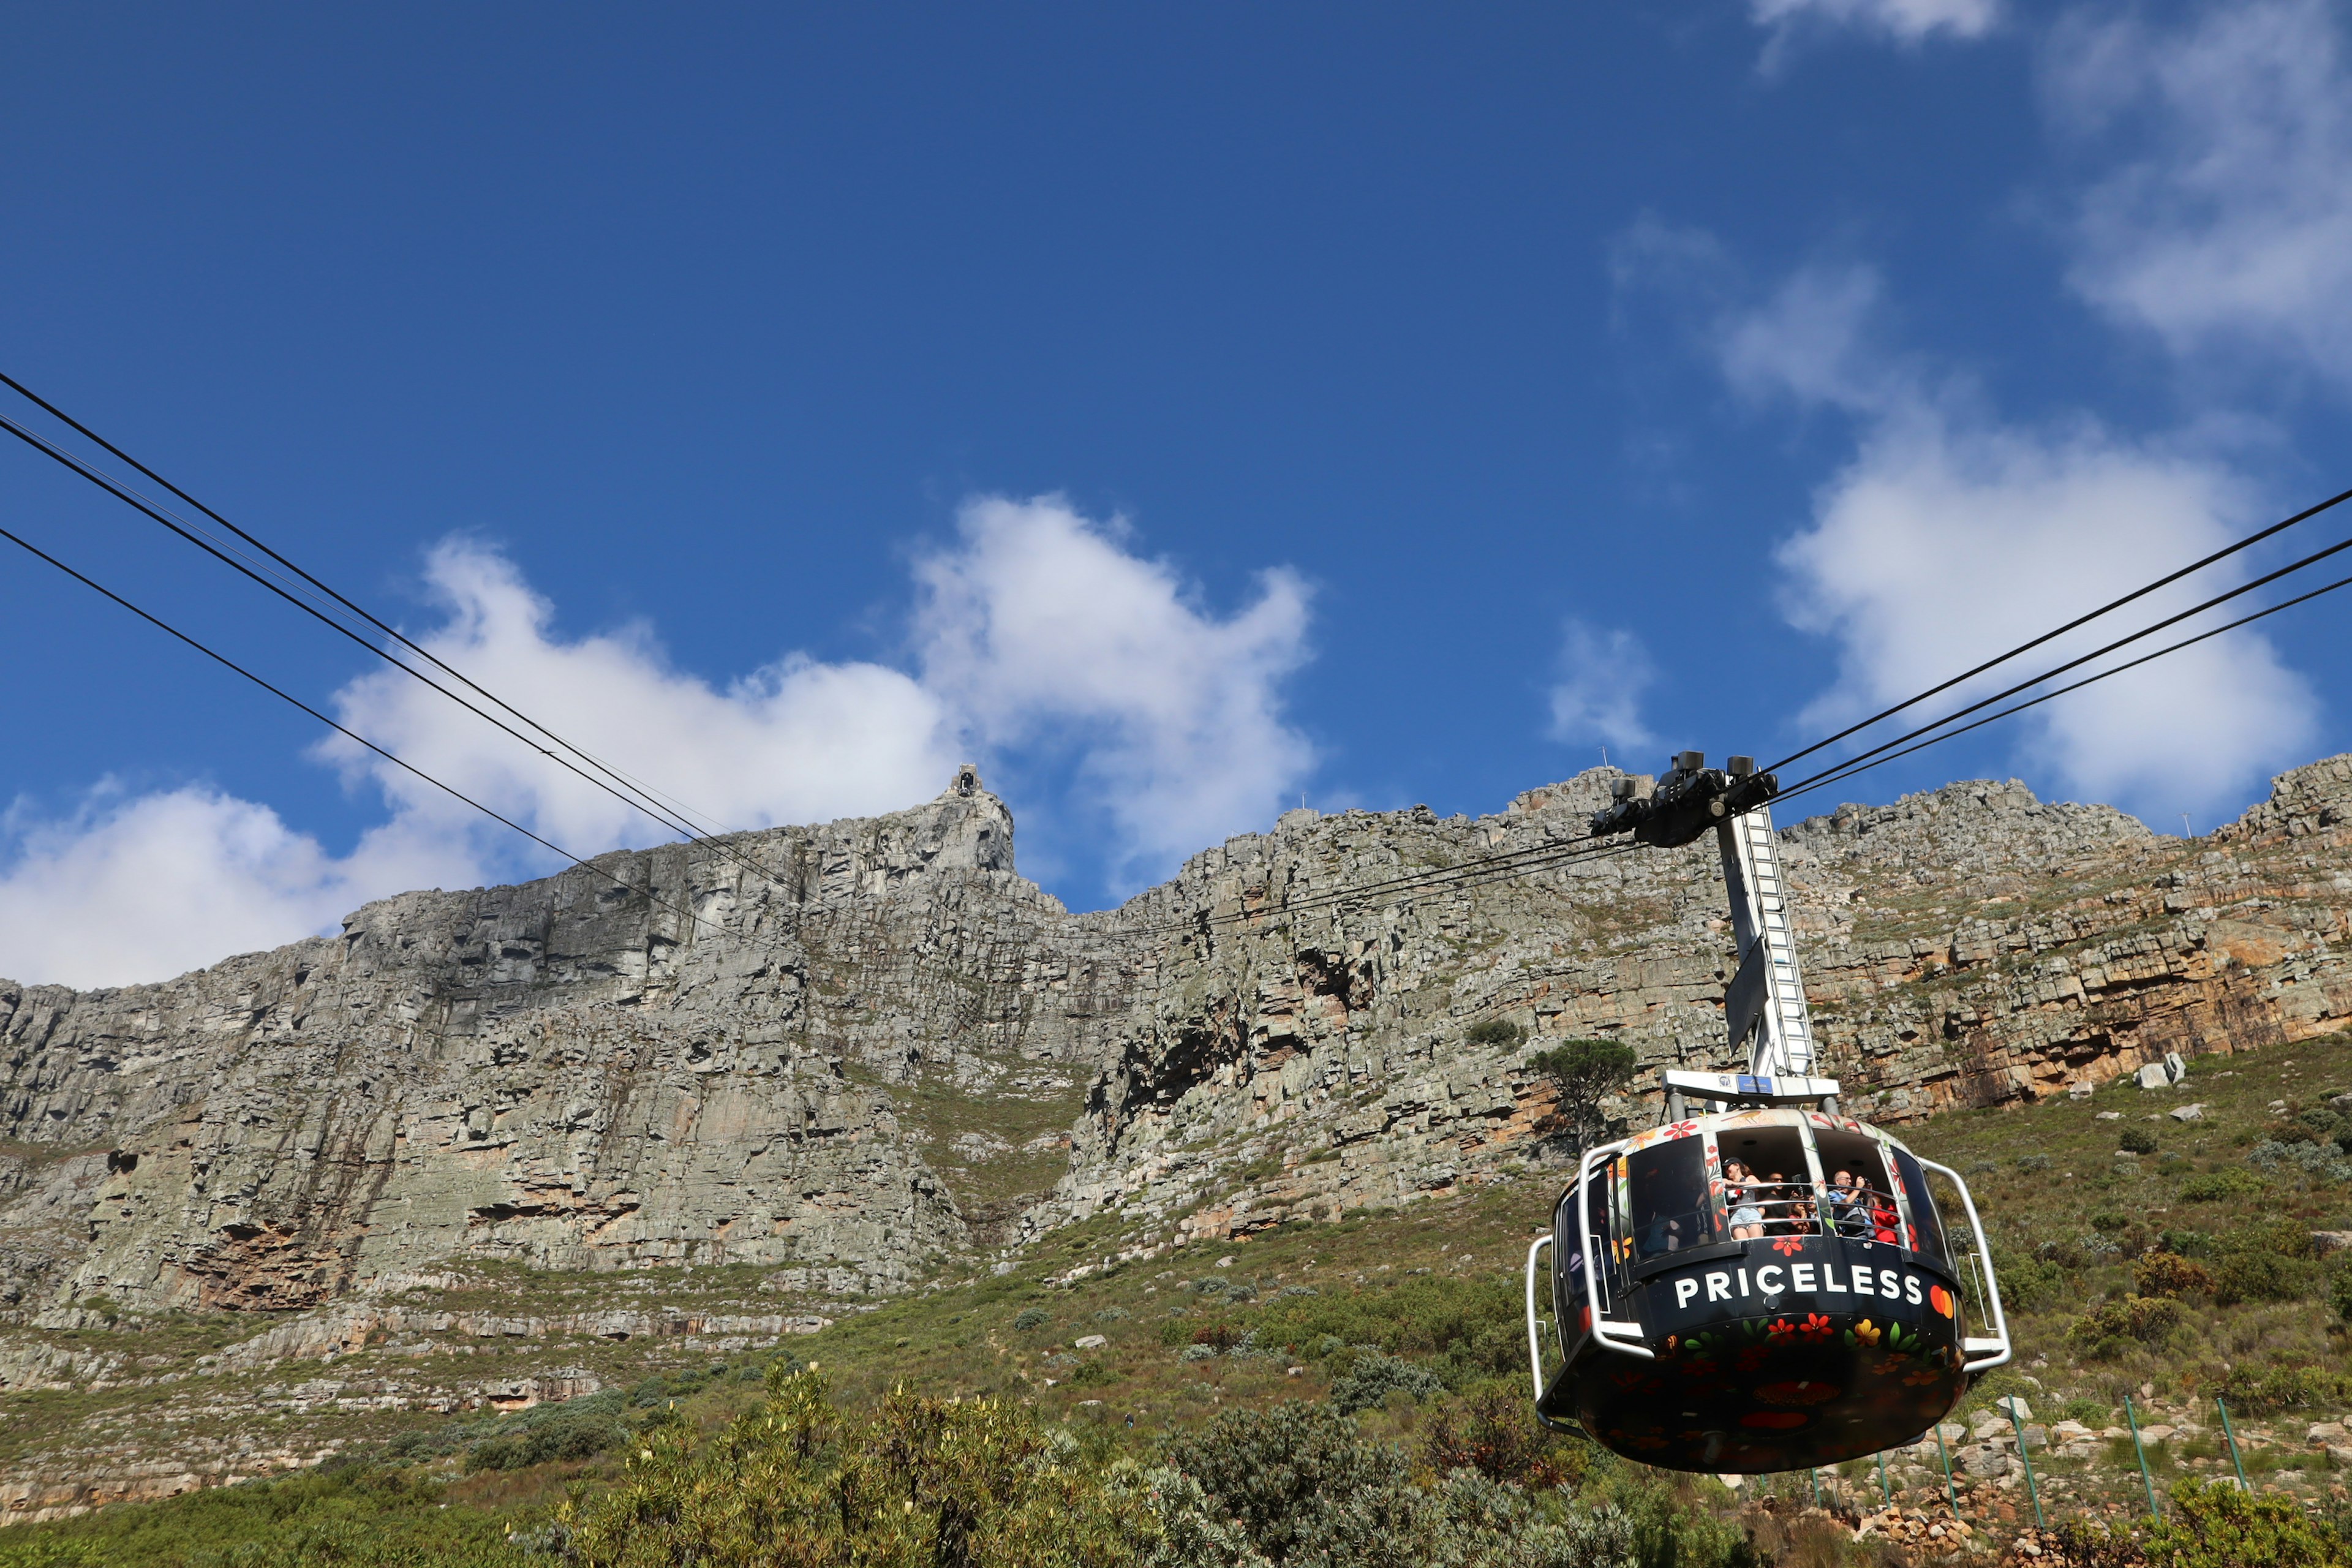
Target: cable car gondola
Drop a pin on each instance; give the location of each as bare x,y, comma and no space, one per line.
1719,1300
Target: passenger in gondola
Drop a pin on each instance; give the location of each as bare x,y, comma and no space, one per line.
1847,1212
1884,1220
1740,1196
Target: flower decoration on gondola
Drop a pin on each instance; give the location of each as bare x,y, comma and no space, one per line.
1923,1374
1815,1328
1788,1247
1780,1326
1679,1130
1751,1358
1865,1333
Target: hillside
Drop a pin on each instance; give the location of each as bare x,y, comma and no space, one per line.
514,1149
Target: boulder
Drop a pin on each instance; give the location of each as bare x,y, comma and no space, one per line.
1089,1342
2192,1112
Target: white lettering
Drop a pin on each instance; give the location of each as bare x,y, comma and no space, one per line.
1802,1277
1862,1286
1830,1279
1684,1289
1743,1282
1770,1286
1911,1287
1889,1285
1718,1286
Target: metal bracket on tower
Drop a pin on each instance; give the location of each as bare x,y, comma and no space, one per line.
1765,1004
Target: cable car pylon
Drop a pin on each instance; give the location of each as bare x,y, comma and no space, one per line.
1766,1284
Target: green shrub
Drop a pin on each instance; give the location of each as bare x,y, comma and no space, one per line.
2138,1139
1493,1430
2261,1391
1375,1376
1494,1032
2216,1186
2216,1526
2034,1162
2107,1329
2264,1276
2187,1243
1032,1318
2339,1293
1300,1484
2321,1162
2029,1285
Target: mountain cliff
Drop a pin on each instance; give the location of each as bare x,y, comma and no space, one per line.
857,1054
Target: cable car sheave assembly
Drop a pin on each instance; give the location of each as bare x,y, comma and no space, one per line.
1719,1302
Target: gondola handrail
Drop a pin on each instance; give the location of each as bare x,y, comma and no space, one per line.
1535,1334
1996,1350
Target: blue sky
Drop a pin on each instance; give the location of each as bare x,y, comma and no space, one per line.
1180,413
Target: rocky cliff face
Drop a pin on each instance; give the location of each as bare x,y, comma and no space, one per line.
874,1049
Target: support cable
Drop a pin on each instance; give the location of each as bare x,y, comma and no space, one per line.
2247,542
285,696
640,802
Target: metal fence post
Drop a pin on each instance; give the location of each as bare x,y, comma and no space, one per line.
1950,1494
2233,1438
1814,1479
1884,1492
2142,1453
2032,1489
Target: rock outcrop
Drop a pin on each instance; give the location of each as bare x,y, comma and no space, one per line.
853,1053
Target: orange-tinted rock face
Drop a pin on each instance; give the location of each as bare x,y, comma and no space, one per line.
877,1046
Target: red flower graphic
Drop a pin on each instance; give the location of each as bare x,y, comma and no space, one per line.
1781,1326
1788,1246
1751,1358
1681,1130
1816,1326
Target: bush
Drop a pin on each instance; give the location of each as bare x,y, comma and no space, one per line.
1494,1032
2028,1285
1298,1484
977,1483
2168,1274
2322,1162
1032,1318
2339,1294
2034,1162
2215,1186
2216,1526
2138,1139
2091,1413
2263,1391
1493,1431
1375,1376
2264,1276
2106,1331
2187,1243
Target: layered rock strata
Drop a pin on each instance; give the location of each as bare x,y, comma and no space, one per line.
852,1054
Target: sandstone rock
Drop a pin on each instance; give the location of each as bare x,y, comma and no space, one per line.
2194,1112
2326,1241
2324,1432
567,1074
1089,1342
2108,1116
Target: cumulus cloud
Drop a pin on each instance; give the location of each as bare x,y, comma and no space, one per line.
1951,535
1944,543
133,887
1604,675
799,740
1044,632
1037,630
2226,228
1903,21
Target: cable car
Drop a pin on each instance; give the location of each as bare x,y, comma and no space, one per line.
1720,1300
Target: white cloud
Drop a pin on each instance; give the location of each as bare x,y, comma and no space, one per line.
798,740
129,888
2229,228
1603,673
1904,21
1813,341
1037,631
1043,633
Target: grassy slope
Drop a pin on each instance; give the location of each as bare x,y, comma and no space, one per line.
1438,1283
